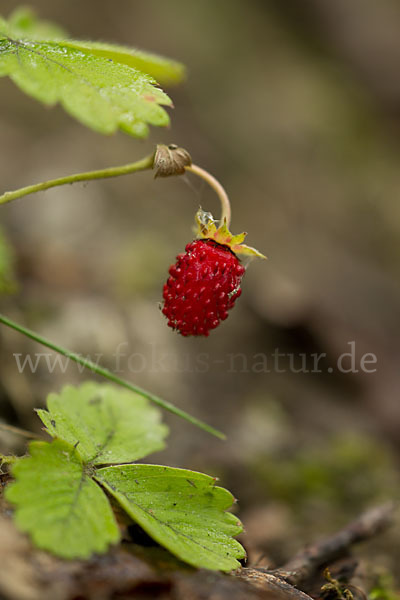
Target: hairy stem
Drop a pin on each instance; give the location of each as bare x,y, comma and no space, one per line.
140,165
144,164
88,364
217,187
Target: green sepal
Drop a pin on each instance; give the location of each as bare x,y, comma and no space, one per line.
206,227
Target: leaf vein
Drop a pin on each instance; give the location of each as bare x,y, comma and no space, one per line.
166,524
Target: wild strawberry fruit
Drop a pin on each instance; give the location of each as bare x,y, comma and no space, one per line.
203,285
205,281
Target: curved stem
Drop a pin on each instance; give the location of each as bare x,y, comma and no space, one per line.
140,165
88,364
144,164
217,187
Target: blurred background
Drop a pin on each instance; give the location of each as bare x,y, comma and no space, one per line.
295,107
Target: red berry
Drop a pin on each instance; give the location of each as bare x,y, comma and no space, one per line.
203,285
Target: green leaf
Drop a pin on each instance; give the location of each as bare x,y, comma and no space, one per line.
24,23
107,425
164,70
59,505
7,278
105,87
182,510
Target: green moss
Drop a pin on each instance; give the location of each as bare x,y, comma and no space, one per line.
383,588
343,471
